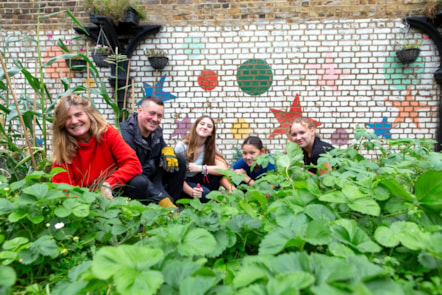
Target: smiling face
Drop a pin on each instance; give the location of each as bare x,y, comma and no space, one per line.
78,124
204,128
149,117
250,152
302,135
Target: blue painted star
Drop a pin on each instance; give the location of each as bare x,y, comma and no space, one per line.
157,90
381,128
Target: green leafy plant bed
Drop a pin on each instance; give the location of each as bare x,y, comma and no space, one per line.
367,227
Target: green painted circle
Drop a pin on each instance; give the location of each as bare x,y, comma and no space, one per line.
400,76
254,77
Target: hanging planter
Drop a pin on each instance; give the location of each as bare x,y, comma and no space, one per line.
158,62
76,64
409,55
100,60
157,58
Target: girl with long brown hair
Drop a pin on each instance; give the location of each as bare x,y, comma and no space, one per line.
203,160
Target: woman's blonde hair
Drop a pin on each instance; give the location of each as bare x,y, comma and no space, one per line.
64,145
191,141
307,123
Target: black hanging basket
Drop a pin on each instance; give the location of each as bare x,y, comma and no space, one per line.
407,56
100,60
438,76
75,64
158,62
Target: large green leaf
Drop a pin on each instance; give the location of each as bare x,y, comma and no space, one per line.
109,260
396,189
45,246
7,276
38,190
131,281
280,239
249,274
319,211
15,243
318,232
365,205
428,189
386,237
348,232
197,241
5,206
360,202
243,221
289,283
198,285
175,271
407,233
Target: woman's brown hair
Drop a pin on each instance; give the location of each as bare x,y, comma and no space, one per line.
210,148
64,145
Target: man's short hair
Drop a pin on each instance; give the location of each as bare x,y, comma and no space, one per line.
152,98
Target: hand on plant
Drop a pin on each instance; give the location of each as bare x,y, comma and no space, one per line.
106,191
168,160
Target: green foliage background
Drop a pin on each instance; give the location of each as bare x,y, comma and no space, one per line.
368,227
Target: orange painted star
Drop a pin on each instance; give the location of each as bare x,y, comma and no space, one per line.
285,118
408,109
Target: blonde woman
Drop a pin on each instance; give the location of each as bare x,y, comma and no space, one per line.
92,152
203,160
303,133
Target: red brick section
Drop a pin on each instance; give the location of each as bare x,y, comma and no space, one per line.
22,14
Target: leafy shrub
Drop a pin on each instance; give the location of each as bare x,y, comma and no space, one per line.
367,227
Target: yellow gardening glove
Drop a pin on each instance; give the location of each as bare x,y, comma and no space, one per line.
168,159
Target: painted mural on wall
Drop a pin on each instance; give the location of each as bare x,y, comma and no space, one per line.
286,118
158,89
328,73
255,77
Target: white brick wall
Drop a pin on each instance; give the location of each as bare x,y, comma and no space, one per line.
356,50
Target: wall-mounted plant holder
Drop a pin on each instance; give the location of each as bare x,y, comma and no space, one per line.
409,55
158,62
76,64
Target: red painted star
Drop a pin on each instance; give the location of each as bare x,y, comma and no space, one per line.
408,109
285,118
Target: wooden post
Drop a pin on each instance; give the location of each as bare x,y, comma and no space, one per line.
28,143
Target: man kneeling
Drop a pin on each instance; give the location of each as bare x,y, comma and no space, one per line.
163,171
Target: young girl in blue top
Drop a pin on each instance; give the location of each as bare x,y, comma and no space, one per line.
251,148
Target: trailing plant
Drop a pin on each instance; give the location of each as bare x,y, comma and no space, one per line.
114,9
155,52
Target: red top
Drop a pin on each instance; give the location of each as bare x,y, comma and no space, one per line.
112,161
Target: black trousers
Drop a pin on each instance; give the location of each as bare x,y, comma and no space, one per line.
163,184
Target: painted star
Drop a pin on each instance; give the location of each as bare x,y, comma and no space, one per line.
408,109
327,73
285,118
182,127
157,90
381,129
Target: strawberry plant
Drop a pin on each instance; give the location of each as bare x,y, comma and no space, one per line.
367,227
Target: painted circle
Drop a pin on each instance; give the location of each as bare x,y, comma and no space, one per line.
240,129
401,76
254,77
208,80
